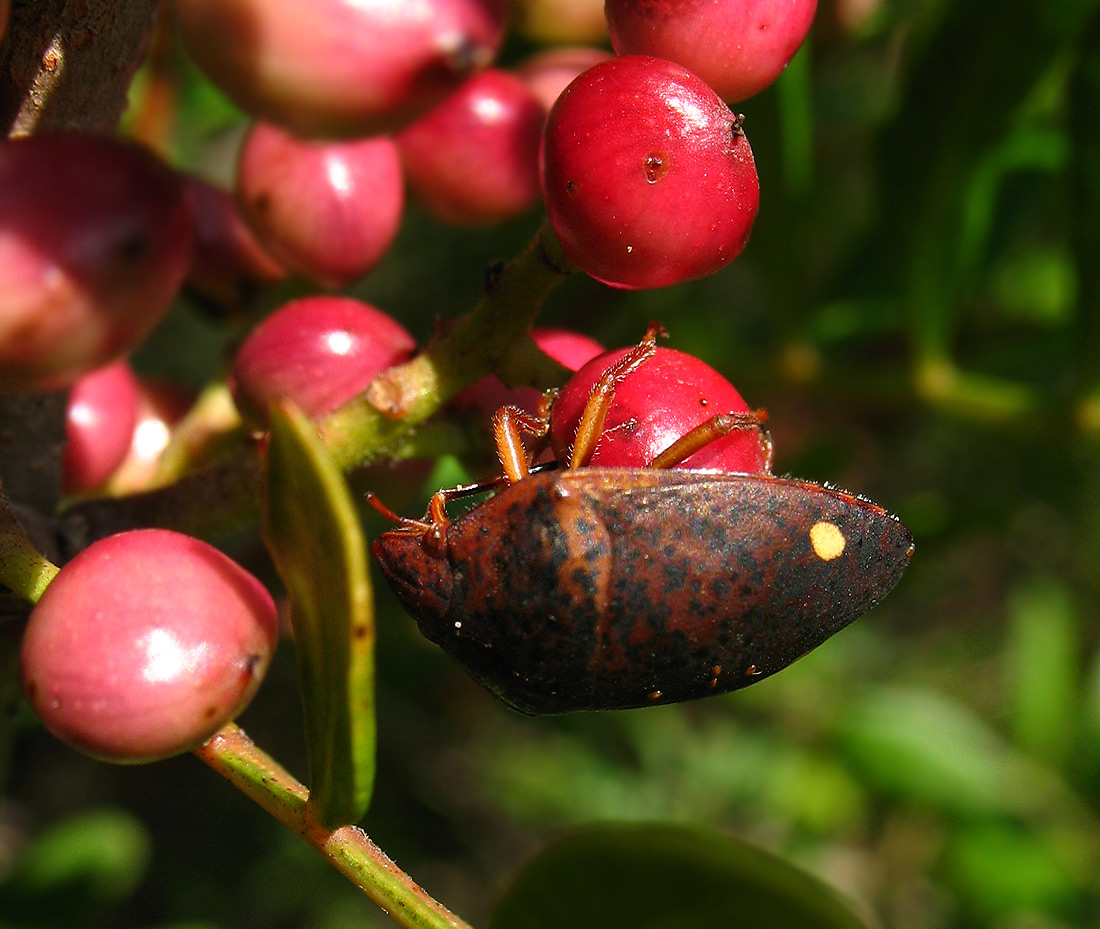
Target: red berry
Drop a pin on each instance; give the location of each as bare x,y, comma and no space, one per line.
145,645
95,236
337,68
549,73
474,158
329,210
666,397
227,264
99,425
571,349
648,178
319,352
737,46
5,8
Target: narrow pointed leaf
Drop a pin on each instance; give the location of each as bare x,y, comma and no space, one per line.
641,876
316,540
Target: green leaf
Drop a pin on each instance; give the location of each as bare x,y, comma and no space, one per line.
665,877
316,540
81,864
1042,661
1001,870
926,748
941,136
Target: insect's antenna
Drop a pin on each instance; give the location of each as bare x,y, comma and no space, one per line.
404,522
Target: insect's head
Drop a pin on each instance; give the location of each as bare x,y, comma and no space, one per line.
417,569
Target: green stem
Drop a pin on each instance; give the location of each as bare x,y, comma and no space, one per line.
24,570
237,758
794,89
405,396
366,429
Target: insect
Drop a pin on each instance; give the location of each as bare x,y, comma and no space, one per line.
610,588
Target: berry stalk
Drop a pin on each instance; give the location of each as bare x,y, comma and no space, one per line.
237,758
366,429
348,849
24,570
406,395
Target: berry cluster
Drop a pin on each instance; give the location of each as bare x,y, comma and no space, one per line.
647,178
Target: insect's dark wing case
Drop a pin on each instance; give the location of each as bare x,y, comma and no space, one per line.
603,588
746,574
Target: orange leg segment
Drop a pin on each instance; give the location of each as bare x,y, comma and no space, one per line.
590,426
706,432
510,424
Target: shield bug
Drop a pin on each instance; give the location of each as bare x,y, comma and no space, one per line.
610,588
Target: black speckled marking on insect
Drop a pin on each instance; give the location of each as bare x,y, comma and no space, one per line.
596,588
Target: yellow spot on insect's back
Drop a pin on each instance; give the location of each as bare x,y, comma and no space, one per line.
827,539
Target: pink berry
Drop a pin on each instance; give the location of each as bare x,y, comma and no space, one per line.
737,46
647,176
145,645
319,352
549,73
340,68
99,425
562,21
474,158
228,265
95,236
666,397
568,348
329,210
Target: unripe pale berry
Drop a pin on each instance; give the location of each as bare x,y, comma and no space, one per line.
738,47
853,16
99,425
228,264
161,405
329,210
95,237
340,68
318,352
474,158
145,644
648,178
666,397
562,21
548,73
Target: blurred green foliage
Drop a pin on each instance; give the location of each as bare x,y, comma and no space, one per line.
919,309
